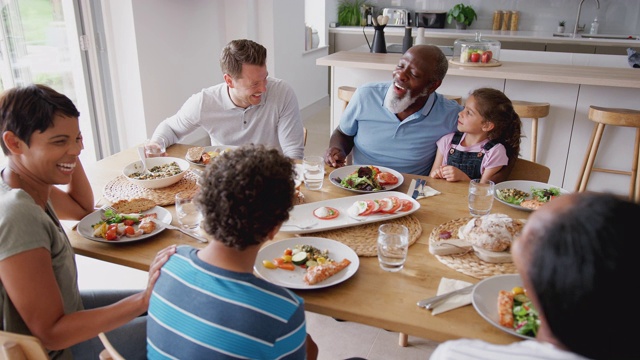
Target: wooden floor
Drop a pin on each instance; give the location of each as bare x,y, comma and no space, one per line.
335,339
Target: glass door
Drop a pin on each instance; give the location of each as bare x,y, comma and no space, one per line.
40,42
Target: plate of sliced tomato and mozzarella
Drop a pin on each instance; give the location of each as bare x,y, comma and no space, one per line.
349,211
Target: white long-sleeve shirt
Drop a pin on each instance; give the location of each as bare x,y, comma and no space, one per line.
275,122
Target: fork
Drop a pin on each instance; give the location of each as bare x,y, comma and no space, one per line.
188,233
303,227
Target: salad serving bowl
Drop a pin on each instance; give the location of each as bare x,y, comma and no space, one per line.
160,182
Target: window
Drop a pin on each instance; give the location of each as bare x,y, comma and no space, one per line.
39,44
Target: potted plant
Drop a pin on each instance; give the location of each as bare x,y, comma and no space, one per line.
462,14
349,12
561,27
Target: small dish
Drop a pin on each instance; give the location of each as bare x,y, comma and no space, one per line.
294,279
85,226
485,299
136,166
349,169
523,185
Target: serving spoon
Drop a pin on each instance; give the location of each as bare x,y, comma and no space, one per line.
143,159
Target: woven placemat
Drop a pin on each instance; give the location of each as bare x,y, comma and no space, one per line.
363,239
122,189
469,263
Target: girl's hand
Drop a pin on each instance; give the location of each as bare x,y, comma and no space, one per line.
436,173
154,269
453,174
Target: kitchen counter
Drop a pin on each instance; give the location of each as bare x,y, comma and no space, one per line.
524,36
509,70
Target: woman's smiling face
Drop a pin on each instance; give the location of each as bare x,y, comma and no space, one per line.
52,155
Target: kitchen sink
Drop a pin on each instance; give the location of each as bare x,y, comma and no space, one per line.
599,36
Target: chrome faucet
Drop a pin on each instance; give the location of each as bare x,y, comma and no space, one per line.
575,29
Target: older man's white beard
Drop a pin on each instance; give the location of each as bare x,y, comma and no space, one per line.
397,104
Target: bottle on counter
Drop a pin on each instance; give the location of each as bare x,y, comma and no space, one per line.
594,26
407,41
506,18
497,20
515,16
420,40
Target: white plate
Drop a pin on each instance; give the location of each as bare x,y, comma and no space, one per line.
294,279
303,214
485,299
347,170
212,148
85,226
525,186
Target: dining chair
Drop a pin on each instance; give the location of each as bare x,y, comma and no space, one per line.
21,347
529,170
109,352
304,129
533,111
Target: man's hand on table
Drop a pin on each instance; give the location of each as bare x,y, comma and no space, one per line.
335,157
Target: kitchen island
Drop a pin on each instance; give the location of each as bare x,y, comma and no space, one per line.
570,86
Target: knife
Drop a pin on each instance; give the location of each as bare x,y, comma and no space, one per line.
172,227
431,302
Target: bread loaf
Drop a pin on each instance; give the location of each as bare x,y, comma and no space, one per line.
194,153
493,232
136,205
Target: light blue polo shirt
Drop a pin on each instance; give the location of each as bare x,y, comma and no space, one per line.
407,146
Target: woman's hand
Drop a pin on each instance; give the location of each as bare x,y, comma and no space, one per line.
154,269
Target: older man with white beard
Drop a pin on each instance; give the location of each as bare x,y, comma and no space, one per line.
396,124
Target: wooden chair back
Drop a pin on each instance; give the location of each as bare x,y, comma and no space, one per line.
21,347
345,93
529,170
533,111
109,352
305,136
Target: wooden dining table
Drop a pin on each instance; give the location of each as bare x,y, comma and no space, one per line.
371,296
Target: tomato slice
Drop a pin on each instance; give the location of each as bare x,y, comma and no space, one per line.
396,204
386,178
406,205
370,207
333,213
385,204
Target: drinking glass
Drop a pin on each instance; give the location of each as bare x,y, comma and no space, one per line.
313,172
393,246
155,148
480,197
189,215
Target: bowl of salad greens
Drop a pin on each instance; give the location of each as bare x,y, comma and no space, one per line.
514,193
366,178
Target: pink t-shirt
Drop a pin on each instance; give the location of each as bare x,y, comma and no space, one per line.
494,157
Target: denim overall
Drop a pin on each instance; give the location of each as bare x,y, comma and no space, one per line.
469,162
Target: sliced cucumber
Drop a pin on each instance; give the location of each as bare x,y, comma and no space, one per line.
311,263
300,258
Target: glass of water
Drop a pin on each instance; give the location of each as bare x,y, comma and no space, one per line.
393,246
189,215
480,197
313,172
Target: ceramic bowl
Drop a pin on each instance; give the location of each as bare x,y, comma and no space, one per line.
136,166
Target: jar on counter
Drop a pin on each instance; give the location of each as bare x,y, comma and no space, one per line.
497,20
515,16
506,18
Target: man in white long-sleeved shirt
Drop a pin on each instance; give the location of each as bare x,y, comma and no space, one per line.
248,107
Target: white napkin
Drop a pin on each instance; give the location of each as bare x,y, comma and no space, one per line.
455,301
423,191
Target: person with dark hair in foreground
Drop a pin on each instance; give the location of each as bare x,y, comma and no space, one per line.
207,303
577,257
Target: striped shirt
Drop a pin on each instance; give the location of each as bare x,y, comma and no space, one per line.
200,311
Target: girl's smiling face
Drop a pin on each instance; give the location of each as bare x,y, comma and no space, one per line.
52,155
470,121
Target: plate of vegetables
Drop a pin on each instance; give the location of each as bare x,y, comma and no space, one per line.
366,178
282,263
526,195
485,300
115,228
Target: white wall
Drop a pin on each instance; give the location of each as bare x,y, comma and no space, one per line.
163,51
614,16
